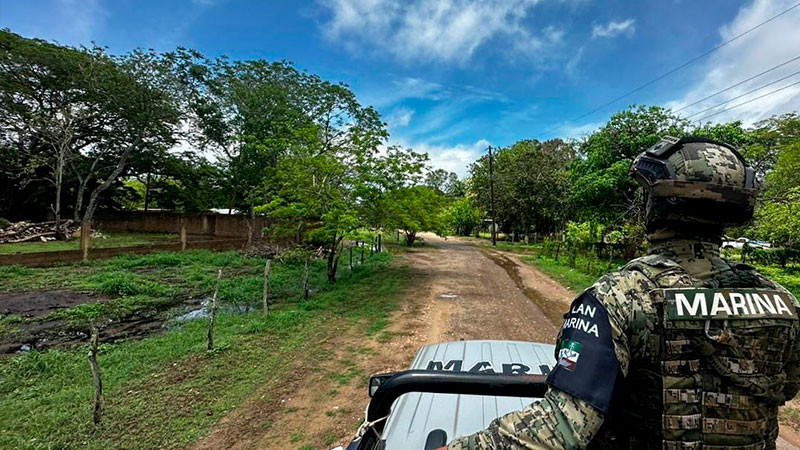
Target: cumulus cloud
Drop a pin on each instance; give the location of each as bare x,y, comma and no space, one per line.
400,117
756,52
452,158
431,30
614,29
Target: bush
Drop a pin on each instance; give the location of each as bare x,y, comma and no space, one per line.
777,256
4,223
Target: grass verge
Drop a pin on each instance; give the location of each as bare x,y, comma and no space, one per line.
166,391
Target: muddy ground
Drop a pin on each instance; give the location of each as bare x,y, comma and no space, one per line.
35,331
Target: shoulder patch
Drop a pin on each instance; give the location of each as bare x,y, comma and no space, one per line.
742,303
587,365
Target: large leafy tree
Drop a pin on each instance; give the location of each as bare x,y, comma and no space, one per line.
530,185
415,209
603,190
82,112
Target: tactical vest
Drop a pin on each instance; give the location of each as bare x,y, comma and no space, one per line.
699,380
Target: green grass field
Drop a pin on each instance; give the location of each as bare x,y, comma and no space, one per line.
581,270
166,391
112,239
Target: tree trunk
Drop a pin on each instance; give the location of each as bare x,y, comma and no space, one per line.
333,259
96,378
411,236
213,312
147,192
305,279
82,183
89,213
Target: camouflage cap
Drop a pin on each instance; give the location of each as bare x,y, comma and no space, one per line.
696,180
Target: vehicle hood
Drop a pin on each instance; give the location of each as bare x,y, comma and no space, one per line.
415,415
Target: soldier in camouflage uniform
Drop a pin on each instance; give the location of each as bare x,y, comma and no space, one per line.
680,349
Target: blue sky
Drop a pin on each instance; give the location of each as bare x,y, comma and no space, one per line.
453,76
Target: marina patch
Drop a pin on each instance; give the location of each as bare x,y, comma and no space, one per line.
701,304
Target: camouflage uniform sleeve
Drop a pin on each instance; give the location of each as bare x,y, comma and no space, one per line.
792,367
561,421
792,370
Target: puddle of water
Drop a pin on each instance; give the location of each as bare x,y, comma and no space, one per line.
204,311
553,309
43,335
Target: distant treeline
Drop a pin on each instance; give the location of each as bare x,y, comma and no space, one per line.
580,188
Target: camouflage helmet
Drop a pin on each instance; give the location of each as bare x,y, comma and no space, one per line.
695,181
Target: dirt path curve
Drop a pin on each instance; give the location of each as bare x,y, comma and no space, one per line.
461,292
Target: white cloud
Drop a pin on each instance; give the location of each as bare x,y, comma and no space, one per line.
772,44
430,30
400,117
76,21
456,158
579,131
613,29
571,68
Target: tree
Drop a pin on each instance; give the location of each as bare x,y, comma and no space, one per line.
415,209
603,191
446,183
84,110
530,185
379,175
48,106
463,216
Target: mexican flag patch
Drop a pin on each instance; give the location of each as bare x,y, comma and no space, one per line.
568,354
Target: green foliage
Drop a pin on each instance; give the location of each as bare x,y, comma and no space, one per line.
164,386
462,216
4,223
415,209
603,191
530,187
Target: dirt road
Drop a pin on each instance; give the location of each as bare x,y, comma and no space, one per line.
463,292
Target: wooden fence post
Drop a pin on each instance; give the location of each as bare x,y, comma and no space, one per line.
265,296
379,243
213,313
305,279
86,238
184,235
96,378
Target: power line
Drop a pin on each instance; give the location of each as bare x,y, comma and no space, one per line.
749,101
670,72
743,95
738,84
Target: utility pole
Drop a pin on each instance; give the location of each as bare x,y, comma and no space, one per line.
491,197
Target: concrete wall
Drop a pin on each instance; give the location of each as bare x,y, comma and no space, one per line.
217,225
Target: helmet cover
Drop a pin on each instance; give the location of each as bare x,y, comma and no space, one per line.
695,180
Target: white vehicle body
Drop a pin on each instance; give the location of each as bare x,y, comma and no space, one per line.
417,416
